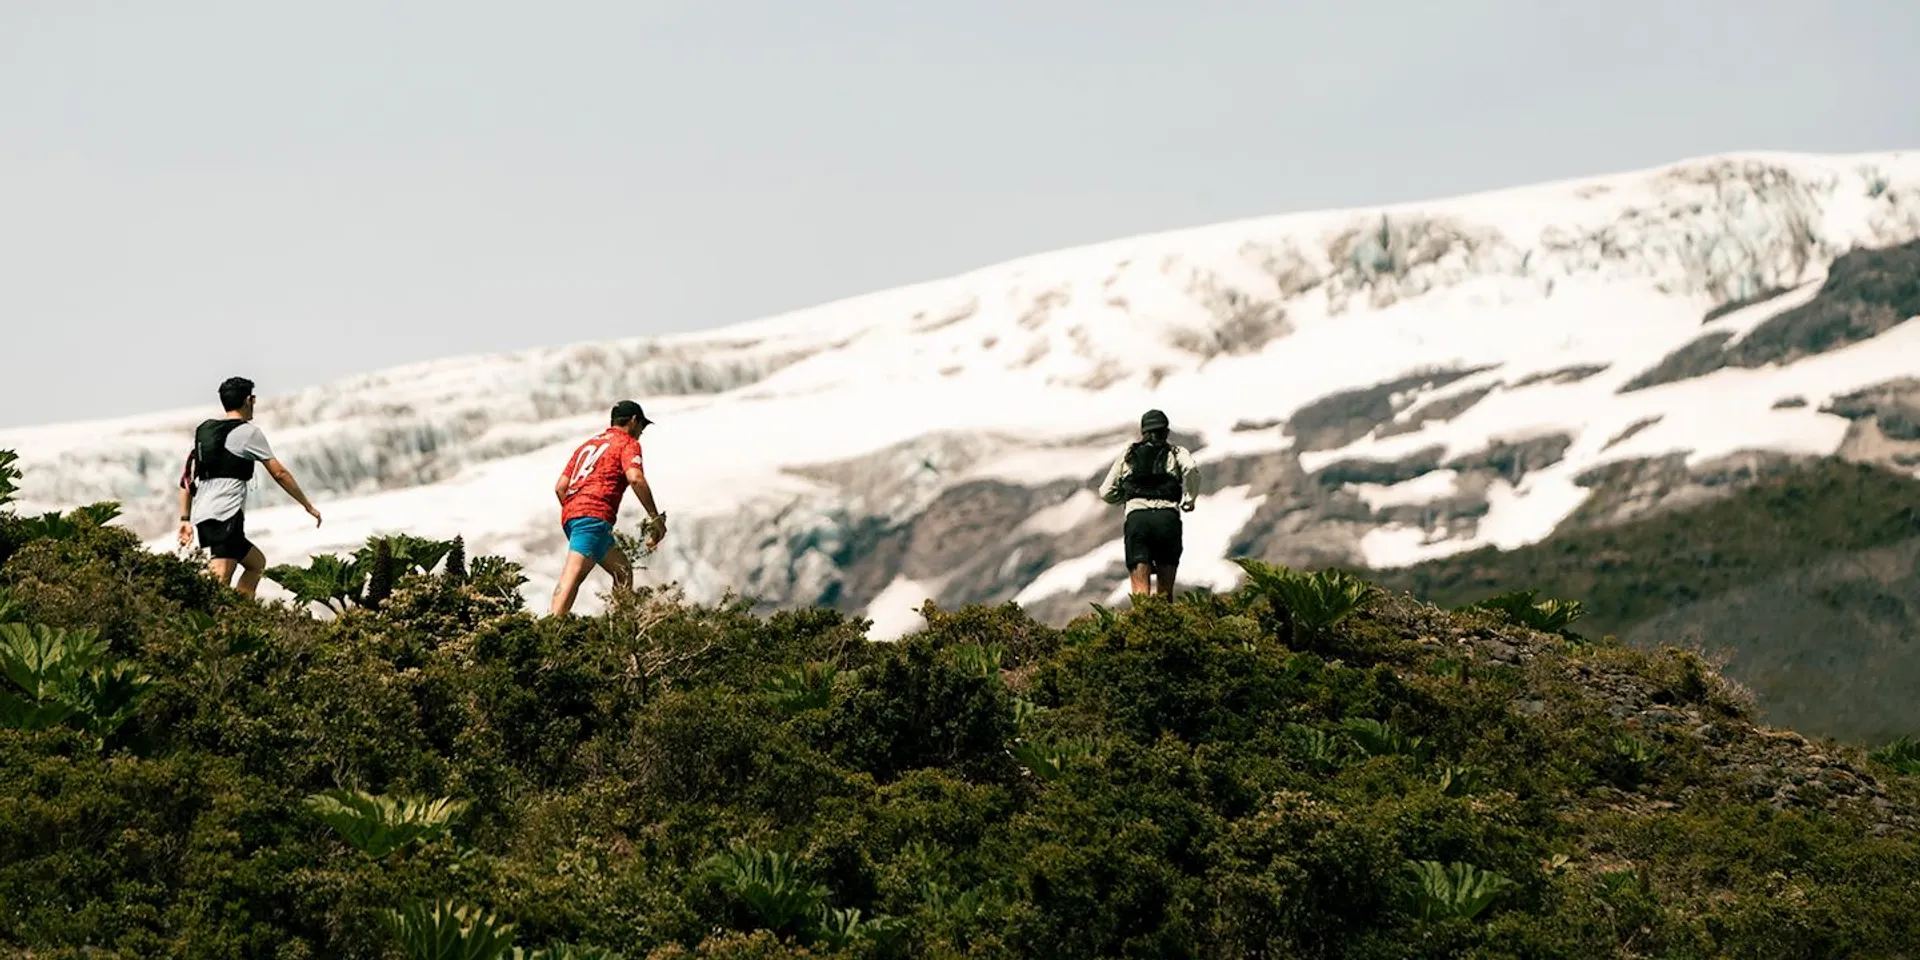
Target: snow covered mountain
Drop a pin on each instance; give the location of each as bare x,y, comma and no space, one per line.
1370,386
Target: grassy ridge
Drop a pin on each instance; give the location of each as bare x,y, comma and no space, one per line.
1306,767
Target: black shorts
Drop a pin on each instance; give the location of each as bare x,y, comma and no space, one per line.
226,539
1153,537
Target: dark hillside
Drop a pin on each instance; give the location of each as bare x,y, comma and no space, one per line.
1857,615
1306,767
1800,562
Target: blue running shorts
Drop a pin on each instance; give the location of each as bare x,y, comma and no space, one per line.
590,537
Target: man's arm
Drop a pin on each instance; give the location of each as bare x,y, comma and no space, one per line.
1110,487
186,504
284,477
254,446
1189,480
643,492
637,479
560,490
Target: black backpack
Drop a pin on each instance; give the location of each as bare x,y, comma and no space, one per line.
211,458
1150,473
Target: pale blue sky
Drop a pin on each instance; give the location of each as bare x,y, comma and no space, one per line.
301,191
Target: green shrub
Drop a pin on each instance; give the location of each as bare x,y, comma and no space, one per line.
913,708
1903,755
1316,770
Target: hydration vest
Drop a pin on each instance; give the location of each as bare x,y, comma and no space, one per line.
211,458
1150,473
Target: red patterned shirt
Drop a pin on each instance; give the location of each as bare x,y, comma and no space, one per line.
596,476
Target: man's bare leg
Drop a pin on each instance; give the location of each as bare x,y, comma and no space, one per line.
221,569
1138,577
1163,578
251,567
572,573
617,566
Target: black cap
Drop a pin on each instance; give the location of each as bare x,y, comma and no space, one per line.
1153,420
626,409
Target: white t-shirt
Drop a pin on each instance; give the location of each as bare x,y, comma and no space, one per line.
219,498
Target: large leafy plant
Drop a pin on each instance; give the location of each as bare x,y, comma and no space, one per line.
327,580
808,686
769,882
55,525
1453,889
54,675
787,901
367,577
9,476
378,825
443,930
1307,605
1902,755
1524,608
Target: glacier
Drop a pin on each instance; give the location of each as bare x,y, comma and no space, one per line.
1374,386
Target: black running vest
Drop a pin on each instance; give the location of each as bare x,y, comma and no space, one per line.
211,458
1150,475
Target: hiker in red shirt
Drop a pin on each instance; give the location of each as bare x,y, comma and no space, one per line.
589,490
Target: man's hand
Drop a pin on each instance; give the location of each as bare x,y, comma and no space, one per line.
186,533
314,513
656,530
1186,507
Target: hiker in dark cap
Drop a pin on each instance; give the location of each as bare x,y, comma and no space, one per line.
1159,481
213,487
589,490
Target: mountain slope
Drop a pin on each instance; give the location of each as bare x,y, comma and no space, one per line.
1804,582
1373,387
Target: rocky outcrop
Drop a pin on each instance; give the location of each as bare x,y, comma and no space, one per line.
1438,410
1885,422
1867,292
1858,616
1629,489
1338,419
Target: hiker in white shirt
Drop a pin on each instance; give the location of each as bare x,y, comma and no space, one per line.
213,487
1158,481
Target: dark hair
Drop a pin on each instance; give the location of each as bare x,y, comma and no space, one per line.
1144,455
234,392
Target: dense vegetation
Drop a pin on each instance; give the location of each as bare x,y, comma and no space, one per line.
1305,767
